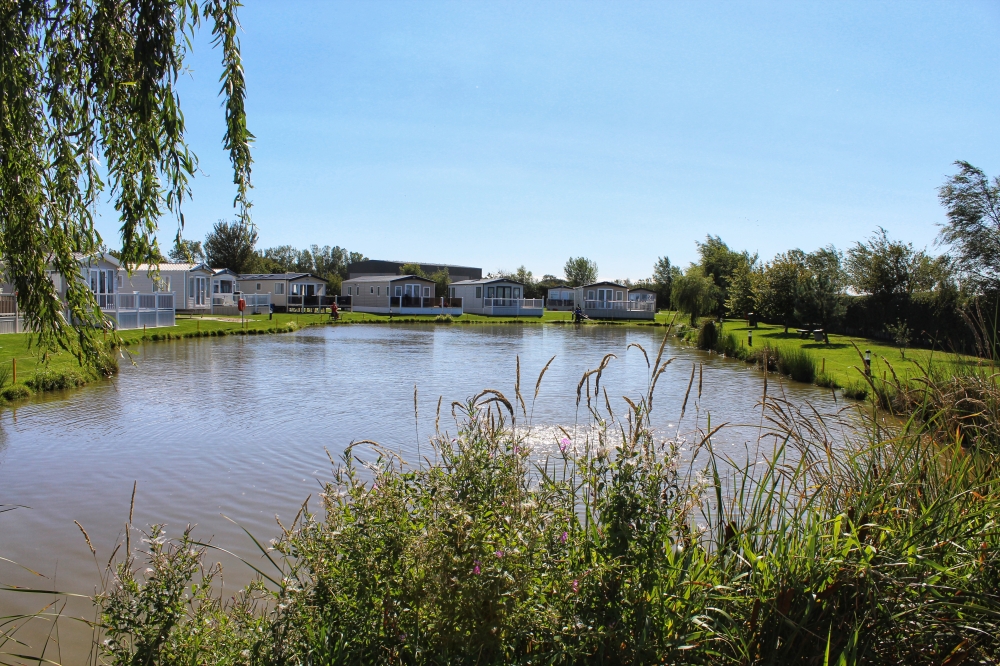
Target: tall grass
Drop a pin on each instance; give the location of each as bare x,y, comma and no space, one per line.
852,541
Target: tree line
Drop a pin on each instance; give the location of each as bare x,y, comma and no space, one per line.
879,287
233,245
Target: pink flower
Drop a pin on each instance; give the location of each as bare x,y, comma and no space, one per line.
499,553
564,443
576,586
475,569
564,537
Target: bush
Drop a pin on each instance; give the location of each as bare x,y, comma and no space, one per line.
55,380
708,335
444,319
15,392
856,389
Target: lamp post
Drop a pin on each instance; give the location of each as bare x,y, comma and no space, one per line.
750,337
868,363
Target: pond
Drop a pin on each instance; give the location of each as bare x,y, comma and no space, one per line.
239,426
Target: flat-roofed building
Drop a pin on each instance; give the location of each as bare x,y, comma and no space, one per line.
380,267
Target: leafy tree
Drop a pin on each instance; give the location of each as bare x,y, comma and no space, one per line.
882,267
580,271
187,251
413,269
281,259
781,286
89,105
442,280
663,280
745,285
231,245
720,262
694,293
821,289
973,227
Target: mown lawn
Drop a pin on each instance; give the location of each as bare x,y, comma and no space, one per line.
840,359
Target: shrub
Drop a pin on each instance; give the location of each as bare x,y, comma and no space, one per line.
856,389
708,335
55,380
444,319
15,392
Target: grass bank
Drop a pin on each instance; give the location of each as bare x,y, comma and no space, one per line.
835,365
881,548
62,370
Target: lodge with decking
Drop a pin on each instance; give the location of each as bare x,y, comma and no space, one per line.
496,296
399,295
289,292
610,300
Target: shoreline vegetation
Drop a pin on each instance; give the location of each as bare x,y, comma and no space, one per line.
877,544
837,365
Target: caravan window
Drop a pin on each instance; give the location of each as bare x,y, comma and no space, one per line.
279,288
349,291
489,292
517,293
479,292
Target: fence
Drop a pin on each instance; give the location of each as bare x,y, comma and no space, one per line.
10,319
135,310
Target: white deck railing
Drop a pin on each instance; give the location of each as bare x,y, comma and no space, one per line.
138,310
518,303
629,306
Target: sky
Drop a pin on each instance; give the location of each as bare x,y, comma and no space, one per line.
523,133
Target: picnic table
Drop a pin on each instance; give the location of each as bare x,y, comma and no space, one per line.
817,333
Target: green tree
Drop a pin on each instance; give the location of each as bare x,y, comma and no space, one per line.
744,290
187,251
973,227
231,245
694,293
413,269
721,263
580,271
883,267
821,289
663,280
442,280
89,105
780,290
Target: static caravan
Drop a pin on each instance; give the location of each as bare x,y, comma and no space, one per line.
560,298
397,294
190,284
644,295
124,307
287,291
609,300
496,296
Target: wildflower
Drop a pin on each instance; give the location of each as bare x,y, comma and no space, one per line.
475,569
499,553
576,586
564,537
564,443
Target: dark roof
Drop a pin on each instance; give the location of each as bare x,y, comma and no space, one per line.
378,266
605,282
486,281
641,289
278,276
385,278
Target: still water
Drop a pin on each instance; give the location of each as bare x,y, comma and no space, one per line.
240,426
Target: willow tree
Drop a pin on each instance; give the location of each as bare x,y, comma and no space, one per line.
89,109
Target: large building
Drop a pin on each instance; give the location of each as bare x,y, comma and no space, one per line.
378,267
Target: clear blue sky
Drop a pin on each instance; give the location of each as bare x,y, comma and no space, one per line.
500,134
